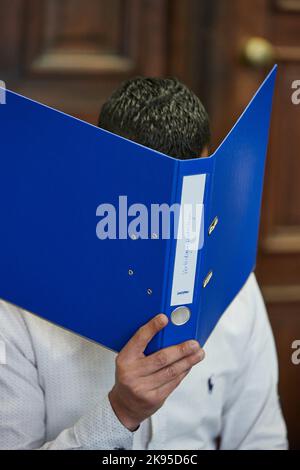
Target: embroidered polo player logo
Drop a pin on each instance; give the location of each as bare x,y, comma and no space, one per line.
211,383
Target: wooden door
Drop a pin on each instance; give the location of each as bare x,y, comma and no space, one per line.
71,54
245,38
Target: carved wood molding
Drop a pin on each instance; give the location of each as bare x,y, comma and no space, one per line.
81,37
289,6
287,53
283,241
64,62
281,293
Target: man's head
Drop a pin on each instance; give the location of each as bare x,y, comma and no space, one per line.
162,114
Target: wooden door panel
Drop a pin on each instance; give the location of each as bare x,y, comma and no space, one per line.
278,264
76,37
289,373
71,54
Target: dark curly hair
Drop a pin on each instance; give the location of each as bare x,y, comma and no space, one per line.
160,113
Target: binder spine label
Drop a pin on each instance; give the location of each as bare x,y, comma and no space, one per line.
189,239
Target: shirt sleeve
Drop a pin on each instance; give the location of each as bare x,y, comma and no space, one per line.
252,417
22,404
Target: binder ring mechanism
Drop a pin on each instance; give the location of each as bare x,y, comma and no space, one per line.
207,279
213,225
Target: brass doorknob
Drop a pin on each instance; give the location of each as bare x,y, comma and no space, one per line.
258,52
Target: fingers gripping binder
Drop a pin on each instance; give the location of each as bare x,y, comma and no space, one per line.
55,172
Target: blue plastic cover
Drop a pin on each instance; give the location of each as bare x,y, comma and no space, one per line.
56,170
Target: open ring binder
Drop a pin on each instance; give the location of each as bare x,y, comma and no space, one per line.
55,171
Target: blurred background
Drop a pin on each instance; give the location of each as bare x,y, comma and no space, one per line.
71,54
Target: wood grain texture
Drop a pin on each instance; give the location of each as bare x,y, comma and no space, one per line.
232,84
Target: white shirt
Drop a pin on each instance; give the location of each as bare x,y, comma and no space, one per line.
54,386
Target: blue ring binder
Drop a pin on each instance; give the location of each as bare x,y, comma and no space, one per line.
56,170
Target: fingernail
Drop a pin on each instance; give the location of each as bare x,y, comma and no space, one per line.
194,345
202,354
163,319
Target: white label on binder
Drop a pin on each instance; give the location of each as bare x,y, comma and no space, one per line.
189,239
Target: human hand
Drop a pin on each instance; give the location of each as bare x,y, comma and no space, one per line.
143,383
